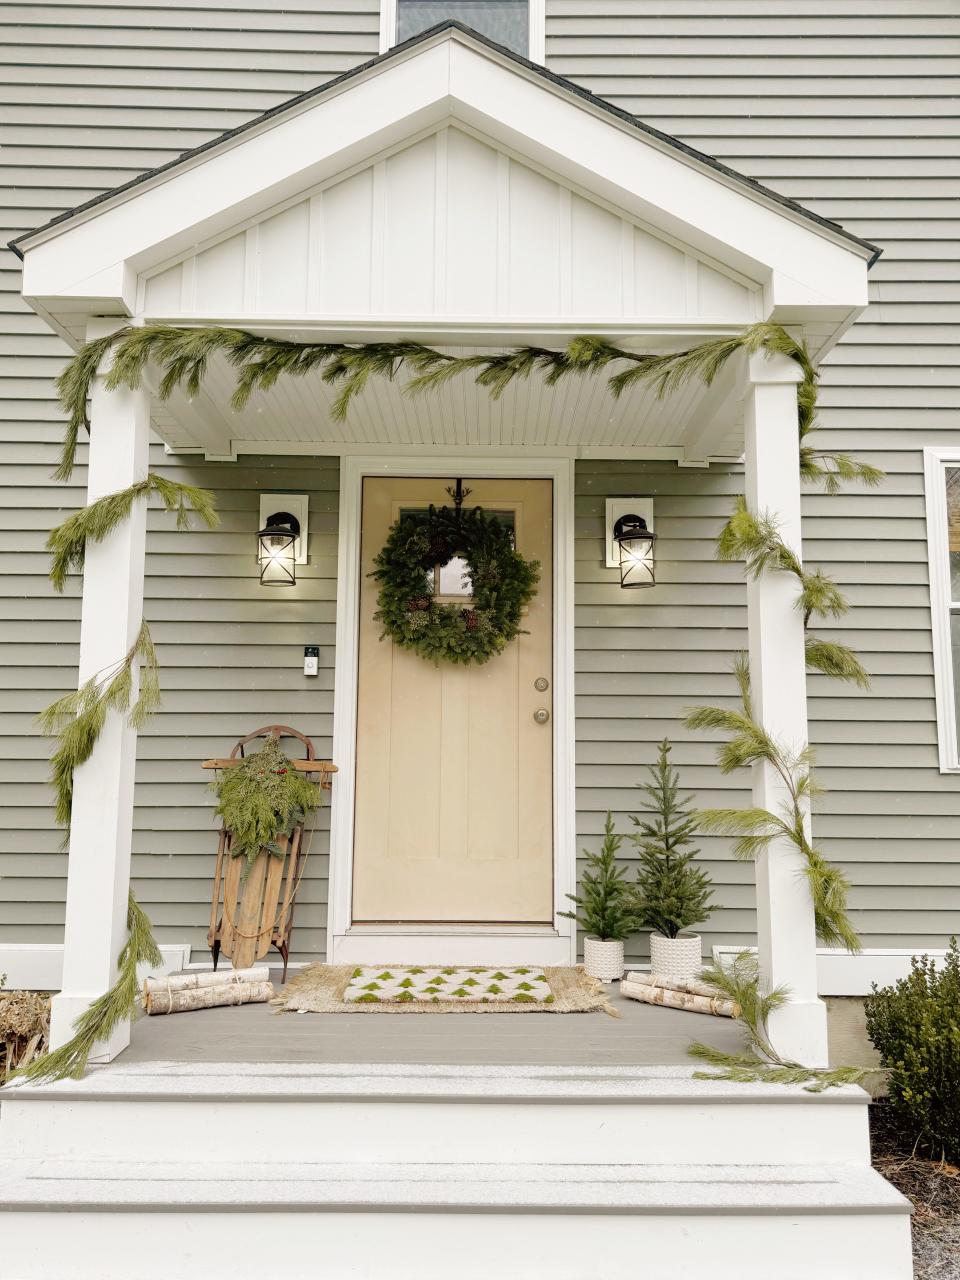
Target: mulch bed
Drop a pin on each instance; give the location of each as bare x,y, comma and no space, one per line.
934,1188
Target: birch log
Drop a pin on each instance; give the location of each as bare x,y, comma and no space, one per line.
164,1001
206,978
692,986
687,1000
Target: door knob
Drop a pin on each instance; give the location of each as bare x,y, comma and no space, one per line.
541,684
541,715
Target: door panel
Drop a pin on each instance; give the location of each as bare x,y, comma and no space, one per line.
454,805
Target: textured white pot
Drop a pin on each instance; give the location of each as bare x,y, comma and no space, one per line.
603,959
677,958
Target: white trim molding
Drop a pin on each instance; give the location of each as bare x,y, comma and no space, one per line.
536,37
38,966
935,463
414,944
840,973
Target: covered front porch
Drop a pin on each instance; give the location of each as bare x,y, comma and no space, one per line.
451,196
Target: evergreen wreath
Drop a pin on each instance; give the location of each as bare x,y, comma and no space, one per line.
503,582
262,799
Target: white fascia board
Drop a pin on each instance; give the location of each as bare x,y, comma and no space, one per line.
261,169
799,265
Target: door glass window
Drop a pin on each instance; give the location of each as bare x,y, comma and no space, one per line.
452,579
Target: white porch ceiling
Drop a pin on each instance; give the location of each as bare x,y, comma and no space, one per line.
695,424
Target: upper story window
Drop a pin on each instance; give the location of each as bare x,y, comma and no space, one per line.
516,24
943,545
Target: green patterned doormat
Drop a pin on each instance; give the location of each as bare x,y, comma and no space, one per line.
338,988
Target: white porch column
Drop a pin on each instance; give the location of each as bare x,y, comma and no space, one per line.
785,924
98,874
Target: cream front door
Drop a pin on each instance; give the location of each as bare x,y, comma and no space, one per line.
454,803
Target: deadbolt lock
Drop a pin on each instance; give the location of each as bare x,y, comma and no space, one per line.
541,684
541,715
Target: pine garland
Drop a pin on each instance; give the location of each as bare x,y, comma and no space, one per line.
262,799
67,542
755,539
740,983
77,719
107,1011
755,828
183,355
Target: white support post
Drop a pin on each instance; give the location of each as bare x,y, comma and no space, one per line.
98,875
786,936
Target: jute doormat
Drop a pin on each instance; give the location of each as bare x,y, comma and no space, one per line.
339,988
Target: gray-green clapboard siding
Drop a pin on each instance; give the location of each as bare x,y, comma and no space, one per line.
848,106
823,102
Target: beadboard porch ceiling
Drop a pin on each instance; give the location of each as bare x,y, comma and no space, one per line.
694,425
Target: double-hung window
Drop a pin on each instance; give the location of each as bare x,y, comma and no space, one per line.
943,541
516,24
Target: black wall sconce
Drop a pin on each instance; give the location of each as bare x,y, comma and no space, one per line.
636,543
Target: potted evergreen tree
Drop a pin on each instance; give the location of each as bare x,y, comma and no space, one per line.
604,909
670,894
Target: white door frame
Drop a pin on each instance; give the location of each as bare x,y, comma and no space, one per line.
414,944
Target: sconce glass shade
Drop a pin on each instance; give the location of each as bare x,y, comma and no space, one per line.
277,546
635,541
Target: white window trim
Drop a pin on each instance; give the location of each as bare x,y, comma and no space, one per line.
936,461
537,40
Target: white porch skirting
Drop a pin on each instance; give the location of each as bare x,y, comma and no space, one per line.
38,966
841,974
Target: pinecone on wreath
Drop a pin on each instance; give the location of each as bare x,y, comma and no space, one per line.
470,618
419,604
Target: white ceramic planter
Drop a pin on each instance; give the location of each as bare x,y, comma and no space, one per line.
678,958
603,959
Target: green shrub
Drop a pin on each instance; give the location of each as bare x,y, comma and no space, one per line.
915,1025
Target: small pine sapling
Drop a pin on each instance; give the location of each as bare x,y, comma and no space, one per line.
670,894
604,908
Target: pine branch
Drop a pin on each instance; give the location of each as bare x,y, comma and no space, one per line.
106,1013
73,388
756,829
831,469
740,983
77,719
67,542
835,660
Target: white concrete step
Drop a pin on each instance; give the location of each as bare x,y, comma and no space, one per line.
103,1220
448,1115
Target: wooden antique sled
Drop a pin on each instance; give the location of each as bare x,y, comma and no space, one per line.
248,916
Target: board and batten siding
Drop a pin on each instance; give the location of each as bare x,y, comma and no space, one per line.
845,105
850,107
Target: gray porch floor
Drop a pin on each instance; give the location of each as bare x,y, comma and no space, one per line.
643,1035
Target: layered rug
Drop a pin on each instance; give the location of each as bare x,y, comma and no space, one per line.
337,988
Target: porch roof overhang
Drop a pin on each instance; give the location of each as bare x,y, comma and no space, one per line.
647,242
